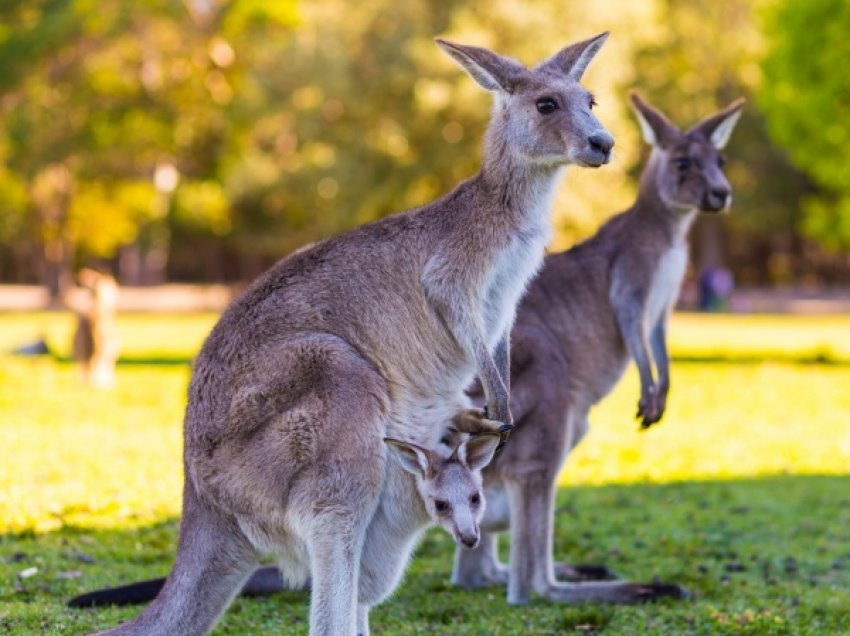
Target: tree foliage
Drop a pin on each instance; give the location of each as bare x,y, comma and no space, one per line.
806,100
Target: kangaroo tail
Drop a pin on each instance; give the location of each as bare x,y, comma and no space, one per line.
263,582
132,594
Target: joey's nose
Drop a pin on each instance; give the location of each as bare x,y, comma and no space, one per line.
470,541
601,142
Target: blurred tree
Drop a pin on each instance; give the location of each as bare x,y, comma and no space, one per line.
806,99
101,98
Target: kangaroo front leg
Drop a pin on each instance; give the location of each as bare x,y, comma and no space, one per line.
662,364
362,620
629,311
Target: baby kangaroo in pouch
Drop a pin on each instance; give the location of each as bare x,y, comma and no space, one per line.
594,308
370,334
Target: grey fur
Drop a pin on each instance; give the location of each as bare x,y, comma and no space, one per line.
366,335
591,310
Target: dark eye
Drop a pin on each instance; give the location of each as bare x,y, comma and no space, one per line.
441,506
682,164
721,161
592,102
546,105
475,499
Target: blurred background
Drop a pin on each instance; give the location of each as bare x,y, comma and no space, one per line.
200,141
157,155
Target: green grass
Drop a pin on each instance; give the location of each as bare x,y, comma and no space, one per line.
733,479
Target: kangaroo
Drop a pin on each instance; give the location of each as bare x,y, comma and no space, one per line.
96,344
592,309
370,334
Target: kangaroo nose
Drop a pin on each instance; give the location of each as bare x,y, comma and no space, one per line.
601,142
470,541
721,194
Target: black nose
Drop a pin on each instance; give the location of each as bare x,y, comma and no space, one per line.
718,197
470,542
601,143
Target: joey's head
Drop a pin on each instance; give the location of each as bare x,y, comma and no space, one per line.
687,167
541,116
449,484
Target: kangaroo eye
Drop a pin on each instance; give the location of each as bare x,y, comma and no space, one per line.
475,499
592,102
546,105
721,161
441,506
682,164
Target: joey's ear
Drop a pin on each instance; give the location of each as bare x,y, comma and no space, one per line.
572,60
654,125
491,70
718,127
414,459
476,452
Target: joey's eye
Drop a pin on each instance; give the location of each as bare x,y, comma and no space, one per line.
546,105
721,161
682,164
441,506
475,499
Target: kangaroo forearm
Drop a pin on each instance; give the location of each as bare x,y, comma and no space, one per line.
502,358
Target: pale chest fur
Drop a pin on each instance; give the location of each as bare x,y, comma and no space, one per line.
513,269
666,282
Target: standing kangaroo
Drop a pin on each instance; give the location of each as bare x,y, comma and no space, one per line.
592,309
370,334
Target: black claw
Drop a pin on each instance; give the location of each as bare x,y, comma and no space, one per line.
655,591
505,428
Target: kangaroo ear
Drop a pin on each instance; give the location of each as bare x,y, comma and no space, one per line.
414,459
478,451
654,125
572,61
491,70
718,128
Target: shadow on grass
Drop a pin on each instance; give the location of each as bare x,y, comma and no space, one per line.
763,555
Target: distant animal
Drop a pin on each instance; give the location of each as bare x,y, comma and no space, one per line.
96,342
370,334
592,309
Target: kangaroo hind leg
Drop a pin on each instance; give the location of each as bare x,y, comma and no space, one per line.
213,561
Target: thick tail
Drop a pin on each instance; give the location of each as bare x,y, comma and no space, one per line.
263,582
132,594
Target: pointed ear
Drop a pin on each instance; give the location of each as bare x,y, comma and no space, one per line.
491,70
718,128
572,61
654,125
476,452
414,459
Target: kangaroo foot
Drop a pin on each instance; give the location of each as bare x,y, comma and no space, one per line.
476,579
583,572
612,592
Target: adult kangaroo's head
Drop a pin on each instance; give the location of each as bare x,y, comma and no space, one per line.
450,484
687,167
541,115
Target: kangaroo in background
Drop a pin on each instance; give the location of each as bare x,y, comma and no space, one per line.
370,334
96,344
592,309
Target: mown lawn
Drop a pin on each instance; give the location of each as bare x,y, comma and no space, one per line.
741,494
